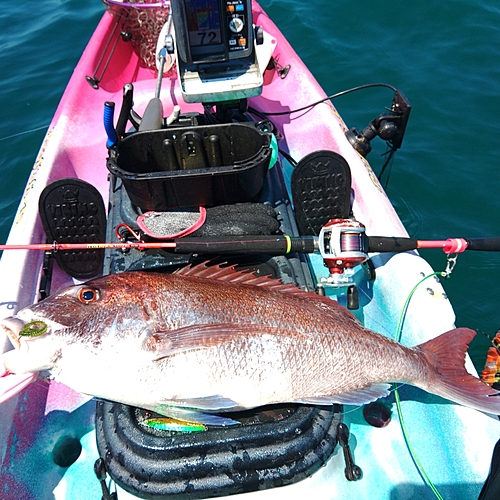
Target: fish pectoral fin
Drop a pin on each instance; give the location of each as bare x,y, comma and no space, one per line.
202,336
163,344
358,397
209,403
194,416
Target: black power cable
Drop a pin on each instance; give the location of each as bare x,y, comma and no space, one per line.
333,96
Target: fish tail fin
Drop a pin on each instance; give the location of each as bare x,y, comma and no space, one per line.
451,380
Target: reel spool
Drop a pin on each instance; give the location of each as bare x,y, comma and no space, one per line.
343,246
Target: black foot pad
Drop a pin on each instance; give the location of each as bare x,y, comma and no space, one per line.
321,190
72,211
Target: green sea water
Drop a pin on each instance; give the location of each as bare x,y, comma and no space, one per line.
444,56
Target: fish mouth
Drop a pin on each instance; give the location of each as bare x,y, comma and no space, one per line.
12,326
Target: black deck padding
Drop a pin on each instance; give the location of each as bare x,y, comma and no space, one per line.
274,446
321,190
72,211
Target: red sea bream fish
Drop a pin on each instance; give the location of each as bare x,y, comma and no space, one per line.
213,339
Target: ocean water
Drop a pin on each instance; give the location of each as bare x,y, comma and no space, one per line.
443,56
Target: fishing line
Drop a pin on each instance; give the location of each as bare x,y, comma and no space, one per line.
24,133
380,324
406,435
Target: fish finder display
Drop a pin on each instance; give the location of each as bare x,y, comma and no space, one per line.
203,19
210,31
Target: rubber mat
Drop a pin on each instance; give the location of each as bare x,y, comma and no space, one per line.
72,211
321,190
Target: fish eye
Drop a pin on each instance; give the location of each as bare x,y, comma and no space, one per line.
86,295
33,329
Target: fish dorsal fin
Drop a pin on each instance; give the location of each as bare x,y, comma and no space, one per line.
229,274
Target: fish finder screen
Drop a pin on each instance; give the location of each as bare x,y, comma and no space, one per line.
203,22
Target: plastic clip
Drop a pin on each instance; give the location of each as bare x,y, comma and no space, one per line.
451,261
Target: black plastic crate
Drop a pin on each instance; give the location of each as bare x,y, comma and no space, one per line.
192,166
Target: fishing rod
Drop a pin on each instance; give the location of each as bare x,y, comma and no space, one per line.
279,245
450,245
59,247
342,243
